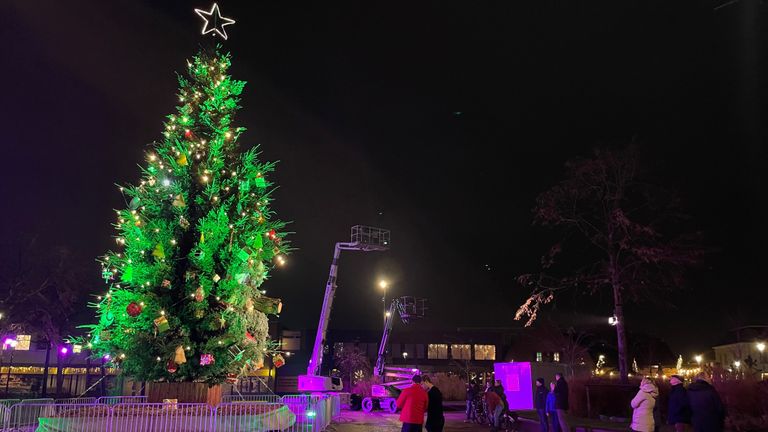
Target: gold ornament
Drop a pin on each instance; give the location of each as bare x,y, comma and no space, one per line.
178,201
182,160
179,357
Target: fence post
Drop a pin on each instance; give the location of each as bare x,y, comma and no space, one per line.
103,385
45,370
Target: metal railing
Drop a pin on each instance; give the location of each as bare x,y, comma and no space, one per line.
271,398
295,413
114,400
76,400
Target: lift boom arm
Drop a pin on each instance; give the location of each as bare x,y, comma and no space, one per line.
325,314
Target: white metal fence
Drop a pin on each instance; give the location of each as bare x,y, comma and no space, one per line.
296,413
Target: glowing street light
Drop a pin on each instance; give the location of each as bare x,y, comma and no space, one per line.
737,364
698,358
613,320
760,347
383,284
405,355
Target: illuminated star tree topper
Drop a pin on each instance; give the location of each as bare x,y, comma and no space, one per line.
214,22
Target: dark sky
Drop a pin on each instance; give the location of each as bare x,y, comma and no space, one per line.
358,101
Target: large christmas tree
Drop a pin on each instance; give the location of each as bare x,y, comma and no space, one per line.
195,243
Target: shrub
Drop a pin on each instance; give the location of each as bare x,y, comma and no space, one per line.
451,386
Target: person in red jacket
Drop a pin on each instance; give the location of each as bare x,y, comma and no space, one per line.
495,407
413,402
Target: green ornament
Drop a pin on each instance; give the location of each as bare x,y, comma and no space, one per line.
260,182
162,324
159,251
236,352
134,204
245,186
243,255
127,275
257,242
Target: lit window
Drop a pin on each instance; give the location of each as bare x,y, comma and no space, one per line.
538,356
485,352
461,352
291,340
23,342
556,357
437,351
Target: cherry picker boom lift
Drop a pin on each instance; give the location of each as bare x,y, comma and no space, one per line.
394,379
363,238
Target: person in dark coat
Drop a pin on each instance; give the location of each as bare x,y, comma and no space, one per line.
435,418
472,391
707,410
540,403
561,401
679,414
499,389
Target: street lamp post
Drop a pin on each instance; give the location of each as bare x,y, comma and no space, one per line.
9,344
405,356
384,284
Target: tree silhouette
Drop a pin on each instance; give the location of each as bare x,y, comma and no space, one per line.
614,227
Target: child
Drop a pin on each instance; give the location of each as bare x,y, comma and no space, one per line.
551,411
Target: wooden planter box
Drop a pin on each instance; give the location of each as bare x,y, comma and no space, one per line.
184,392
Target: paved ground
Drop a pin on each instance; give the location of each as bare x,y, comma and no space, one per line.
358,421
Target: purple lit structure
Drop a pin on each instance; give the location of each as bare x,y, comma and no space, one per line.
519,380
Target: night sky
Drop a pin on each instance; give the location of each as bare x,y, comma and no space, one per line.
439,120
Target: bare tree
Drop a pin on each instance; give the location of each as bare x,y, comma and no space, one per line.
39,289
614,224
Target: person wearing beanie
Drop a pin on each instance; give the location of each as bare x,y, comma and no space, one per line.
679,415
540,403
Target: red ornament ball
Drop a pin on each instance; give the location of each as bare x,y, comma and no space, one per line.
172,367
188,134
133,309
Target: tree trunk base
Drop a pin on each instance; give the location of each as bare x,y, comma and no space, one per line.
184,392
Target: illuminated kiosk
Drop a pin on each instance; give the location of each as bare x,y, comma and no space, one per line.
519,380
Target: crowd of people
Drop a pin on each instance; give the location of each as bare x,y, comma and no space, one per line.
698,407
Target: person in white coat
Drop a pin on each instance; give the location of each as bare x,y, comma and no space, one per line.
642,406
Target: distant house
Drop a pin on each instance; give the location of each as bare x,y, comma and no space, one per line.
744,349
